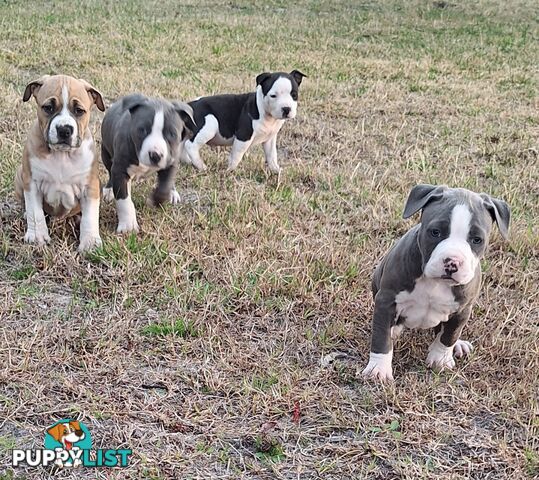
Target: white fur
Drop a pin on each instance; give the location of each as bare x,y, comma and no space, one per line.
270,151
61,176
379,366
440,356
462,348
175,197
89,224
209,133
108,194
281,89
36,231
64,118
456,246
428,304
61,180
155,142
397,330
127,216
236,154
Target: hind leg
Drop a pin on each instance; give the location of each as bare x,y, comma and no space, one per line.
192,147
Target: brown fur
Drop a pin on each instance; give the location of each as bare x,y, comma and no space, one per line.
59,430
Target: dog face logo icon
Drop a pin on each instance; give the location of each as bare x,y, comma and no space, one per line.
68,435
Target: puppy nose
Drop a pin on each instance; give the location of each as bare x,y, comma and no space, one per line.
64,131
451,265
155,157
286,111
79,433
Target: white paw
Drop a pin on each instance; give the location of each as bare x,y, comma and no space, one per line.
77,462
440,357
38,237
129,225
175,198
379,367
200,166
462,348
397,330
275,169
89,243
107,194
127,216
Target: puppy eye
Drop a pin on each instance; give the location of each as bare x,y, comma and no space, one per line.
477,240
273,95
294,95
172,135
79,111
48,109
436,233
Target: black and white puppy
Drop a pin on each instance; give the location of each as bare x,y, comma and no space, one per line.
244,120
142,135
431,277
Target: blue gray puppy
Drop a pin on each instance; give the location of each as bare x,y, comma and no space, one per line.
431,276
141,136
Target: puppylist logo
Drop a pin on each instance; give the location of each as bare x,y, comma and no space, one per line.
68,443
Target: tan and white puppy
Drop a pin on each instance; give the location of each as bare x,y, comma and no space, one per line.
58,175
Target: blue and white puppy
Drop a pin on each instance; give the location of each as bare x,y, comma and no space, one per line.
244,120
140,136
431,277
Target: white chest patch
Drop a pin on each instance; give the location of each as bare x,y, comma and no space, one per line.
62,177
428,304
264,129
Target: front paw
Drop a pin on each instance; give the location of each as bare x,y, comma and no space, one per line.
89,243
462,348
127,226
107,195
274,168
379,367
440,357
175,197
37,237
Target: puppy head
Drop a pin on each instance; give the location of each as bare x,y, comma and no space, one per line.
158,128
279,93
455,229
69,431
63,109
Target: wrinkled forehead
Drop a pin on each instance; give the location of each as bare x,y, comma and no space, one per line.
61,88
280,84
458,205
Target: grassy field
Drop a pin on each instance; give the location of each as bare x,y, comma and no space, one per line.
199,343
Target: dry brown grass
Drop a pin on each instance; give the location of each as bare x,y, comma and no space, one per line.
271,275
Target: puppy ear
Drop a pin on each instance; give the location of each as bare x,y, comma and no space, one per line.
499,211
56,432
75,424
298,76
33,87
95,94
260,79
133,101
419,197
186,114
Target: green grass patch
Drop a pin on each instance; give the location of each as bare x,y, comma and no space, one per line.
180,328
